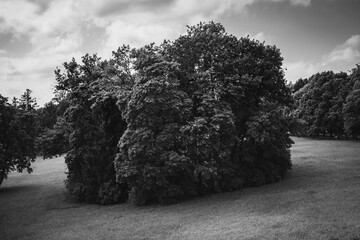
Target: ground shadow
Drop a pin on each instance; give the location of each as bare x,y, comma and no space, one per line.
14,189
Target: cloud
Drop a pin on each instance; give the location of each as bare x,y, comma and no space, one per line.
262,37
62,23
301,3
259,36
300,69
58,30
119,7
342,58
138,24
347,52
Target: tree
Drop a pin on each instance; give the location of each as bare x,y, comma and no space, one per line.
351,108
202,114
54,141
300,83
191,115
91,125
47,116
320,102
17,138
242,74
53,130
26,101
151,161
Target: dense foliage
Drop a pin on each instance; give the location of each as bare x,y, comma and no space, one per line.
202,114
91,126
18,134
205,115
327,104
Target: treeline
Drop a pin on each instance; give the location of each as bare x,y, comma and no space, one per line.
328,104
205,113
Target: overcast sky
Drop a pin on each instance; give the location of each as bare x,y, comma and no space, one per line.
38,35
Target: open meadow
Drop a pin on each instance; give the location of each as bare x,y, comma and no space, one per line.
318,199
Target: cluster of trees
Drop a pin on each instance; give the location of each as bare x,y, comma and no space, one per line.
17,134
328,104
202,114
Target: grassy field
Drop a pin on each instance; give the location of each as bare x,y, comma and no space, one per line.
318,199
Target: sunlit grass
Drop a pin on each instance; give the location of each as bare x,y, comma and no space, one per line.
318,199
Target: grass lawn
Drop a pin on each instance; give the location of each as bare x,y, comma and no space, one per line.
318,199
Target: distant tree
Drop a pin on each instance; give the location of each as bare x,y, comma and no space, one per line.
54,141
47,116
17,138
299,84
351,108
314,102
321,101
53,130
334,118
26,101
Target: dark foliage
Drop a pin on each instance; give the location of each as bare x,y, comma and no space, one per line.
90,127
351,108
18,133
202,114
327,105
205,115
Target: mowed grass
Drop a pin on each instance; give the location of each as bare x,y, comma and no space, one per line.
318,199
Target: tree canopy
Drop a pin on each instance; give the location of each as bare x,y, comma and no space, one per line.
327,103
201,114
205,113
18,134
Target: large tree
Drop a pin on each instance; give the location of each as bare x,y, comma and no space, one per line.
202,114
195,113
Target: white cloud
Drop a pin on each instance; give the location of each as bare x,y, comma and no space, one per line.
262,37
300,69
347,52
137,25
17,16
57,29
303,3
342,58
259,36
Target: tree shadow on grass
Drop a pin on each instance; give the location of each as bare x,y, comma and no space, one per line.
4,190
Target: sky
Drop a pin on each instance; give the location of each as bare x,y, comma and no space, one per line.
36,36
